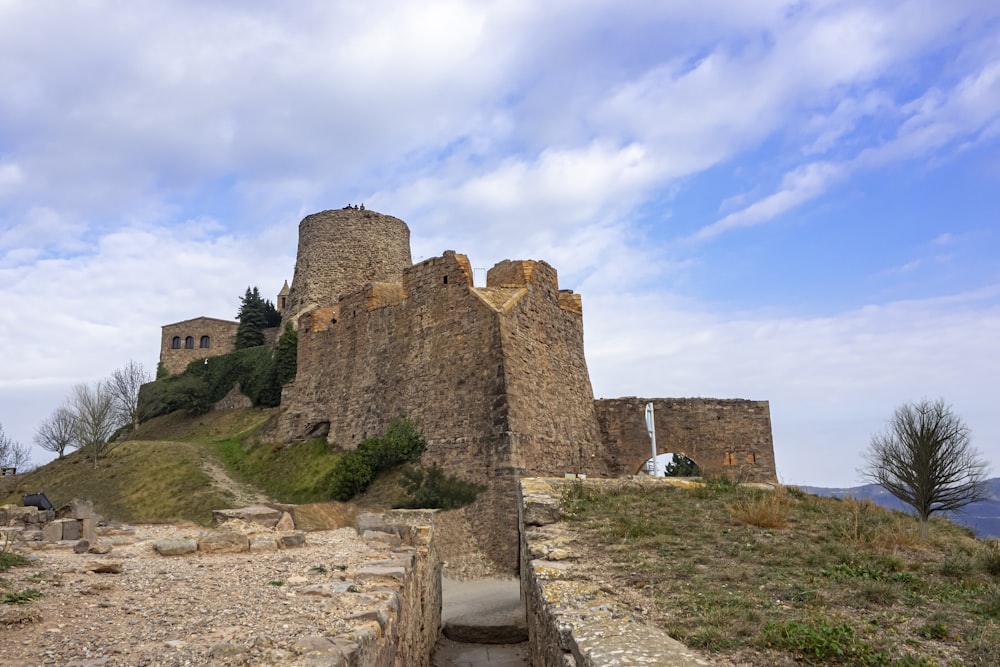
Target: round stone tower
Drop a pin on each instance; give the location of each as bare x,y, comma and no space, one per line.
340,251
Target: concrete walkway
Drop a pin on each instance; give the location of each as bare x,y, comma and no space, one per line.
456,654
483,624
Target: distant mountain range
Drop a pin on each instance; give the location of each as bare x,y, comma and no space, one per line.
982,516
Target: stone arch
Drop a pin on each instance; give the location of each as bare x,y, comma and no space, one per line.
665,459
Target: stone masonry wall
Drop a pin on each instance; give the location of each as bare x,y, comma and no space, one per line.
495,376
730,437
222,339
340,251
553,424
574,621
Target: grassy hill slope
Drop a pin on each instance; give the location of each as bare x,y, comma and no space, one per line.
151,480
768,578
181,467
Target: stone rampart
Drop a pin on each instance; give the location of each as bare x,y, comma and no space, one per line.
572,621
730,437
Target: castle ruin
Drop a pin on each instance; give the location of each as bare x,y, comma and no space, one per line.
495,375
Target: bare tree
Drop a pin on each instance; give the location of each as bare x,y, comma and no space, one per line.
124,385
925,459
12,453
96,420
58,432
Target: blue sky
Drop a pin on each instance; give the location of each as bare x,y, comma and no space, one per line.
791,201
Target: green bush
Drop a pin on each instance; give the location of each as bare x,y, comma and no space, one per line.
350,477
259,373
401,443
430,488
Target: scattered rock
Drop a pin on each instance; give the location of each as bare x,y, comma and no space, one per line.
100,547
81,547
173,546
262,516
103,567
285,523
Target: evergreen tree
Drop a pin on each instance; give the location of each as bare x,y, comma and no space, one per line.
256,314
681,466
286,355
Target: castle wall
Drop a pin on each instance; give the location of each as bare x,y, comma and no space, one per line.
495,376
553,424
221,339
340,251
730,437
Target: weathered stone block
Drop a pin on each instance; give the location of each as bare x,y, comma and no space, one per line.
175,547
224,543
100,547
53,531
263,542
262,516
76,509
103,567
295,539
71,530
88,528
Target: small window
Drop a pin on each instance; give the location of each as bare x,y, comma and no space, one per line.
189,343
446,280
175,344
206,341
730,459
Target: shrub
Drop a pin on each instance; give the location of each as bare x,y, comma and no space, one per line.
350,477
401,443
430,488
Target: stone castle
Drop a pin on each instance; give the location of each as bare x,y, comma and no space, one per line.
495,374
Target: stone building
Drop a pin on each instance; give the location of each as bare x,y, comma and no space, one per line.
495,375
198,338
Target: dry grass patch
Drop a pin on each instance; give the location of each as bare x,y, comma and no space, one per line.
761,508
766,578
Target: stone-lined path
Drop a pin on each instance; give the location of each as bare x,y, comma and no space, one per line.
483,623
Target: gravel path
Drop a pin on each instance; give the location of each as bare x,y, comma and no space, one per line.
255,608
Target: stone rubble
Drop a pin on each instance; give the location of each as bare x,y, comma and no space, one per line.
326,597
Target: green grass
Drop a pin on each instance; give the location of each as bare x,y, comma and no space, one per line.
296,473
9,560
818,581
20,597
159,476
137,481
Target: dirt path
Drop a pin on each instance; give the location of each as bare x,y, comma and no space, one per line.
243,494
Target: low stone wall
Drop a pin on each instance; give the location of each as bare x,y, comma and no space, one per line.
74,521
572,622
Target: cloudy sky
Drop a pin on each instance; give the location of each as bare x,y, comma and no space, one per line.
791,201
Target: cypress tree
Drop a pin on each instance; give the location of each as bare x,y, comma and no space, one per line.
255,315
